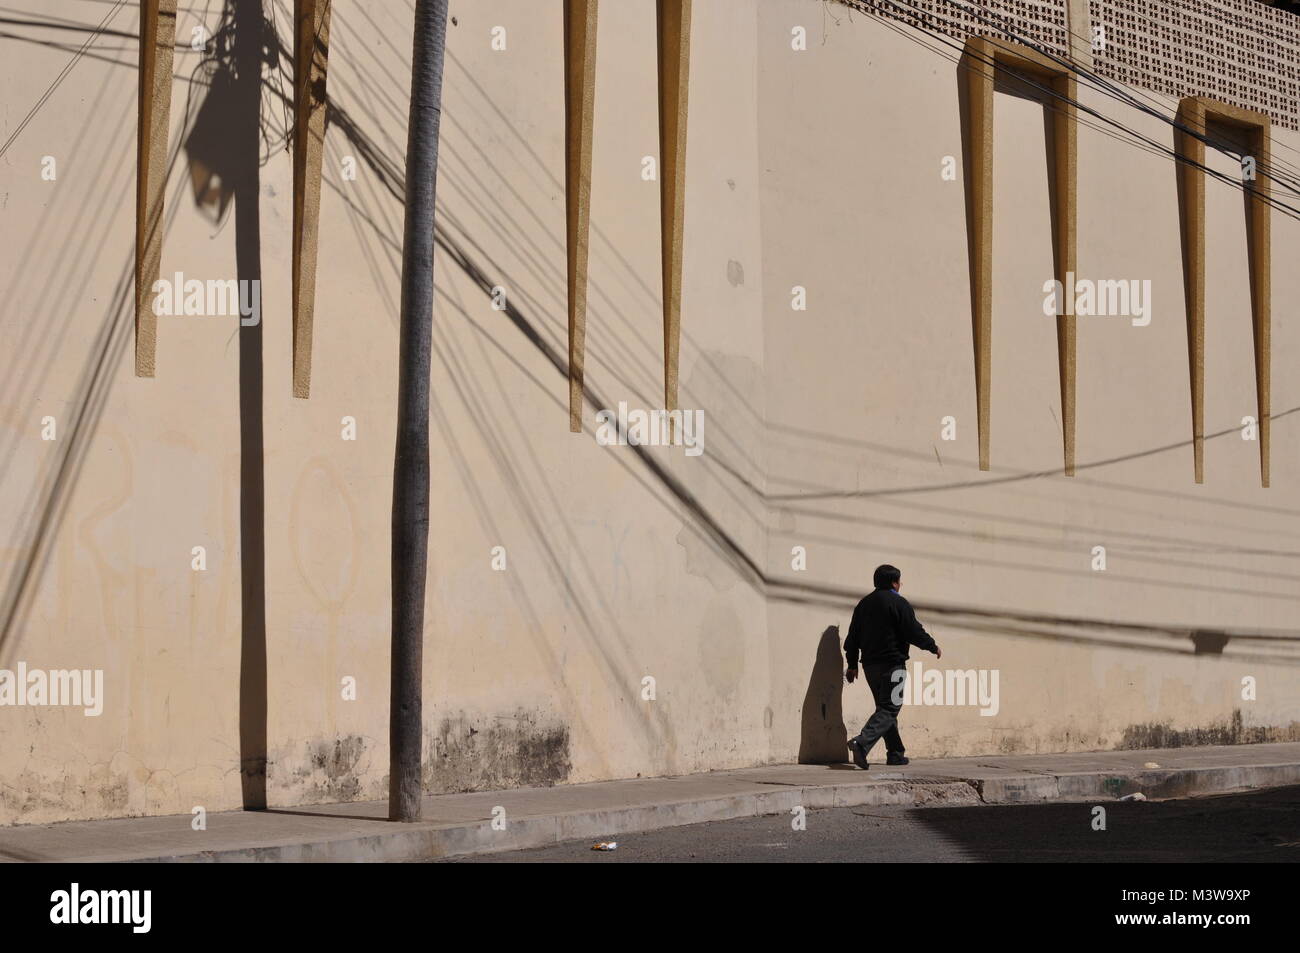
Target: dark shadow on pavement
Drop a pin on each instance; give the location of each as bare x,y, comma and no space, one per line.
1251,827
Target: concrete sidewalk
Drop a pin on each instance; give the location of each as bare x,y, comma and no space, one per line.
463,823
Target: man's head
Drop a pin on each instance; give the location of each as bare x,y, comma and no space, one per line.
887,577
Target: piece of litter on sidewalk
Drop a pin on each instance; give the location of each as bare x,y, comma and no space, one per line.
1137,796
1150,764
605,845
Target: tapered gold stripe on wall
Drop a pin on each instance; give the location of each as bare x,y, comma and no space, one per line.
982,58
1191,215
311,52
674,41
978,73
1065,159
579,110
157,38
1246,131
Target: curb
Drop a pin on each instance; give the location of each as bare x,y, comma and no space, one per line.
432,841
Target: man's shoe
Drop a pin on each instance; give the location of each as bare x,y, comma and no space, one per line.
892,758
859,754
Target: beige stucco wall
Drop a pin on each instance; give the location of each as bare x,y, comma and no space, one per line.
879,239
818,168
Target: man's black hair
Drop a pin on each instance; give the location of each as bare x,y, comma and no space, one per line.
886,576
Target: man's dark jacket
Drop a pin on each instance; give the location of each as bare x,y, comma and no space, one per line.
883,627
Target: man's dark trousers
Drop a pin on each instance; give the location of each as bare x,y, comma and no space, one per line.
884,720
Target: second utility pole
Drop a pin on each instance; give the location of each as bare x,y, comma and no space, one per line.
411,463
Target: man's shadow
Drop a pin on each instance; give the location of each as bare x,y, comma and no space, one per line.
823,738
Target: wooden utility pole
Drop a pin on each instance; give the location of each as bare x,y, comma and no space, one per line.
411,464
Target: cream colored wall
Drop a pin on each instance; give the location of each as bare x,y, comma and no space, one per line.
888,339
818,168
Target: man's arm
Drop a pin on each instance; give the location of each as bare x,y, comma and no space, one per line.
913,631
851,642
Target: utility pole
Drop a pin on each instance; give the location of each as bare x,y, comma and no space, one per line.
411,462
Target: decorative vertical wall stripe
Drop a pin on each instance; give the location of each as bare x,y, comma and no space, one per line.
1191,215
1065,158
674,34
1078,21
977,69
1247,131
982,55
311,52
157,38
579,110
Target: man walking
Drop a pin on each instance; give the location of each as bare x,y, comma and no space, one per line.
883,627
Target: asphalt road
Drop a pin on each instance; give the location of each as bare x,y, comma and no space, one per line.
1262,826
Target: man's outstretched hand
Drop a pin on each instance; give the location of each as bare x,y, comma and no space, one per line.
938,652
851,674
